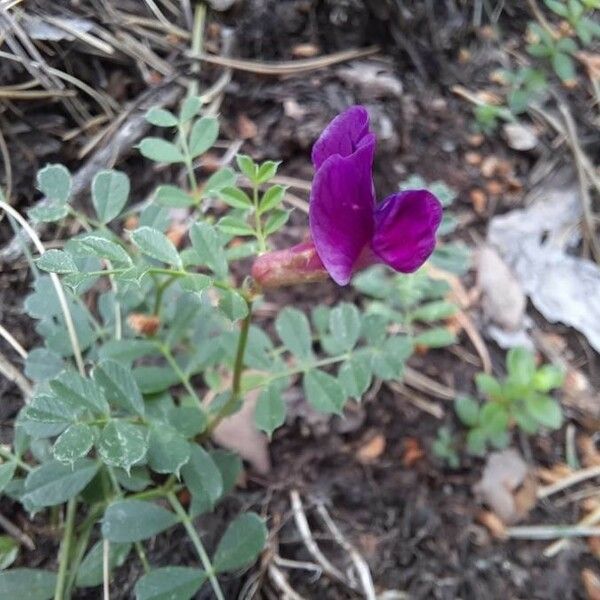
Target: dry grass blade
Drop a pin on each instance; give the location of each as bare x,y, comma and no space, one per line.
13,342
425,384
15,532
588,521
8,177
86,38
421,403
290,67
282,584
36,94
574,479
14,375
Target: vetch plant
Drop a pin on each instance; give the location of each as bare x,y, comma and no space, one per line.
149,344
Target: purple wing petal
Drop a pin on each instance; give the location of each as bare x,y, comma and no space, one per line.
341,210
405,227
342,136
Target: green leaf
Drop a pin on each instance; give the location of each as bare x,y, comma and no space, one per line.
467,410
122,444
119,386
271,199
89,573
548,377
189,108
57,261
173,196
27,584
545,410
324,392
195,282
437,337
168,450
276,220
137,480
270,410
206,241
161,151
388,362
294,331
355,375
235,197
54,181
344,323
247,166
103,248
233,305
230,466
217,181
488,386
161,117
188,420
493,419
73,443
48,212
152,380
127,350
434,311
203,479
78,391
156,245
267,171
47,415
170,583
241,543
110,191
234,226
42,364
558,7
520,364
476,441
135,520
563,66
53,482
9,550
7,471
203,135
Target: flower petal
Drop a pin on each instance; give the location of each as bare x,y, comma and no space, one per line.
341,210
405,227
342,136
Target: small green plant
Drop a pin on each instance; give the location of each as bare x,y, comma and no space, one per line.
577,14
558,51
445,448
522,399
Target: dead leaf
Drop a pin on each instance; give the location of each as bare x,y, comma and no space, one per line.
492,522
503,301
494,187
478,200
520,137
143,324
413,452
246,127
554,474
473,158
475,140
590,456
176,233
591,584
239,434
131,222
504,474
375,79
371,450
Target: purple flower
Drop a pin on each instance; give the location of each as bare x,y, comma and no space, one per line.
349,230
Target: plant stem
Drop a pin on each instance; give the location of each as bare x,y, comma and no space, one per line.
185,380
238,368
189,161
160,290
191,531
260,236
65,551
8,455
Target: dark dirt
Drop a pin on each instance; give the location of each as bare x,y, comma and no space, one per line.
415,525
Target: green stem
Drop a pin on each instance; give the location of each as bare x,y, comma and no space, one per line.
184,377
65,551
189,161
8,455
160,290
238,369
191,531
260,236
